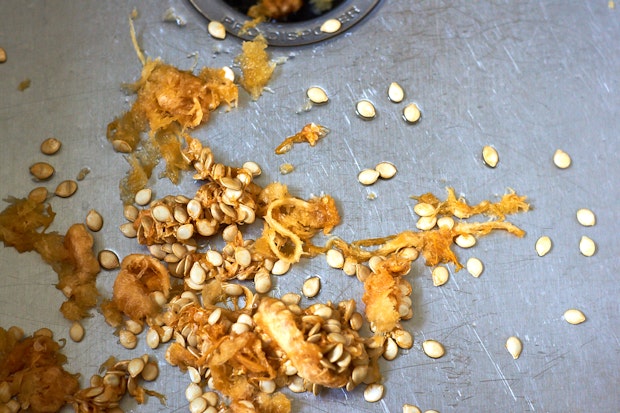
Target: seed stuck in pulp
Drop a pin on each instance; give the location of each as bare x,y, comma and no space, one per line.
216,30
465,240
474,267
368,176
586,217
574,316
42,171
365,109
543,245
412,113
317,95
561,159
514,347
331,26
490,156
396,93
50,146
433,349
587,246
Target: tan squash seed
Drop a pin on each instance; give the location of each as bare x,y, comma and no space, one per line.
373,392
490,156
135,366
311,287
280,267
543,245
317,95
386,170
365,109
331,26
82,174
440,276
50,146
433,349
150,371
410,408
412,113
143,196
396,93
2,55
38,195
127,339
76,332
216,30
586,217
108,260
587,246
42,171
574,316
561,159
368,177
474,267
514,347
94,220
128,230
66,188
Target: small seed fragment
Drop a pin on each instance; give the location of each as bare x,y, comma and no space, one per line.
311,287
561,159
331,26
108,260
574,316
410,408
373,392
368,176
94,220
50,146
365,109
474,267
286,168
38,195
82,174
514,347
433,349
396,93
587,246
490,156
586,217
253,167
66,188
412,113
216,30
465,241
42,171
143,196
440,276
317,95
543,245
386,170
76,332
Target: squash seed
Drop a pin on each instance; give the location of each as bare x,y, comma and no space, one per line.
410,408
490,156
396,93
574,316
386,170
514,347
440,276
127,339
311,287
76,332
474,267
150,371
286,168
587,246
426,223
42,171
334,258
280,267
228,73
433,349
66,188
2,55
128,230
94,220
465,241
543,245
135,366
253,167
586,217
412,113
143,196
108,260
424,210
38,195
317,95
50,146
368,176
561,159
331,26
216,30
445,223
365,109
152,338
373,392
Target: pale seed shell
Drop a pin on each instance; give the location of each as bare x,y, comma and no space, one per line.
490,156
386,170
192,392
334,258
433,349
317,95
365,109
426,223
514,347
587,246
94,220
66,188
440,276
424,210
586,217
574,316
396,93
412,113
150,371
42,171
152,338
108,260
228,73
130,213
50,146
253,167
373,392
216,30
410,408
561,159
143,196
474,267
280,267
135,366
445,222
127,339
128,230
368,176
465,241
543,245
311,287
331,26
286,168
76,332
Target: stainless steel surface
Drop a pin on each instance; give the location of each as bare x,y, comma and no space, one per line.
527,77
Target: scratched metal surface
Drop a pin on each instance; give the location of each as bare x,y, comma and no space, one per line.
527,77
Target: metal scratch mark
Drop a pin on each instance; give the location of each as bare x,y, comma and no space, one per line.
514,63
357,164
478,62
495,365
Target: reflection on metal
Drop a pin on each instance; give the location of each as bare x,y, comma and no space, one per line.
286,34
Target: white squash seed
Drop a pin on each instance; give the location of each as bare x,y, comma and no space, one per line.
412,113
311,287
574,316
561,159
445,223
94,220
396,93
228,73
368,176
152,338
587,246
433,349
373,392
586,217
386,170
514,346
150,371
253,167
426,223
280,267
317,95
76,332
334,258
192,392
331,26
365,109
543,245
143,196
490,156
135,366
440,275
216,30
474,266
423,209
410,408
108,260
127,339
465,240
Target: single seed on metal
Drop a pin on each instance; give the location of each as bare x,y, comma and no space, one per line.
143,196
587,246
433,349
94,220
412,113
280,267
586,217
2,55
50,146
373,392
490,156
76,332
403,338
216,30
440,276
42,170
543,245
424,210
410,408
317,95
331,26
474,267
386,170
228,73
66,188
365,109
445,223
135,366
127,339
38,195
334,258
108,260
514,347
368,176
561,159
311,287
574,316
465,241
396,93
